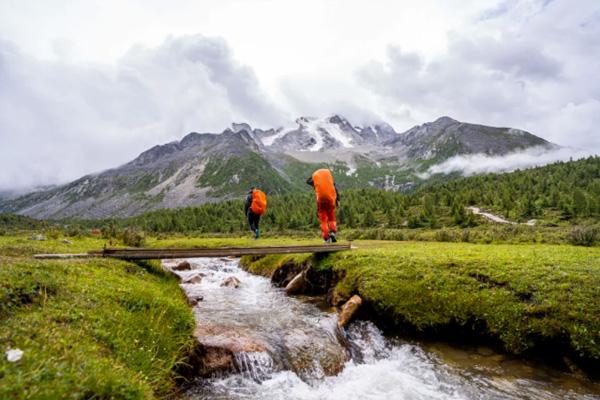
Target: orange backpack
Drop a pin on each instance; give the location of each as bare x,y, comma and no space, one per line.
324,187
259,202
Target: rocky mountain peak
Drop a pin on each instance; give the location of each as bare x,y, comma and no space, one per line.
236,127
204,167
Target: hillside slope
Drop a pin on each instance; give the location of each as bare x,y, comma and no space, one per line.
204,167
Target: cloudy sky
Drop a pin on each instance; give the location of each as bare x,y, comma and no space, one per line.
88,85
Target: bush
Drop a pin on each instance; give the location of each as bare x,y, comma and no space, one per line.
583,236
53,233
133,238
74,231
444,235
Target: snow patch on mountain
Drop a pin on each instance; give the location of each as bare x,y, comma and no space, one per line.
279,133
318,127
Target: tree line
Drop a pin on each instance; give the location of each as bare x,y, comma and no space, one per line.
563,192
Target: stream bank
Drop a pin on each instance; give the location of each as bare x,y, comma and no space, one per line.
297,351
534,301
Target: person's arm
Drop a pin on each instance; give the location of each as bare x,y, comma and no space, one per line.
337,194
310,182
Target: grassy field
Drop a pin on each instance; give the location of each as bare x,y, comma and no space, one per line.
100,328
94,328
528,297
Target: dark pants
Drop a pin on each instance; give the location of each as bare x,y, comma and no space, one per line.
253,220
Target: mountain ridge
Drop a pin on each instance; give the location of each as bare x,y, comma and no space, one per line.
209,167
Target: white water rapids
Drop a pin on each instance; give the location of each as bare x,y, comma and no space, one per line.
302,342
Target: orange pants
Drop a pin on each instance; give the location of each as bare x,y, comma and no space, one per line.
326,213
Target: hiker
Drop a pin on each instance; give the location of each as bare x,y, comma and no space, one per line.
256,205
327,199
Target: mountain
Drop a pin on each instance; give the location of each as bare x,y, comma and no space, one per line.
208,167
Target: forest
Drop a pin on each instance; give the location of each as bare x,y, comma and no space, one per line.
562,194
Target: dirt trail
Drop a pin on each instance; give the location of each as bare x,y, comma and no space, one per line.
497,218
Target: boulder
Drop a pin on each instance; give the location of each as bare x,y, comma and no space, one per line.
192,279
348,310
232,281
296,285
216,349
183,266
195,299
234,340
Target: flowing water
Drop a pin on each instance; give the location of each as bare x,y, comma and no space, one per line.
305,356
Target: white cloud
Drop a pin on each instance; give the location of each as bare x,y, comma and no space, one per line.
481,163
526,64
60,120
86,86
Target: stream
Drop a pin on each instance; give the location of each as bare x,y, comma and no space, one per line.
298,352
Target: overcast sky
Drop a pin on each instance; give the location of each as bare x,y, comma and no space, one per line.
88,85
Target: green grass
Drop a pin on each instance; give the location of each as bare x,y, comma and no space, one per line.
525,296
94,328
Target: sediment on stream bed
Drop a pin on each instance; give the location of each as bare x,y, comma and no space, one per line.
546,311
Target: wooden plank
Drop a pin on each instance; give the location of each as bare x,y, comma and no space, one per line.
135,254
166,253
63,256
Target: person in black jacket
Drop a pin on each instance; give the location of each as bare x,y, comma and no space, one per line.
254,207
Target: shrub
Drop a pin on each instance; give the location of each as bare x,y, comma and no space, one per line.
583,236
133,238
53,233
444,236
74,231
465,236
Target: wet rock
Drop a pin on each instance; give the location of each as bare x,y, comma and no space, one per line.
311,358
232,281
183,266
286,272
217,348
192,279
195,299
212,361
66,241
348,310
234,340
38,237
484,351
296,285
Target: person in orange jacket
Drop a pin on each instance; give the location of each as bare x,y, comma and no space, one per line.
255,206
328,198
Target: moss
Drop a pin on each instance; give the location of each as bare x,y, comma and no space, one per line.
90,329
267,265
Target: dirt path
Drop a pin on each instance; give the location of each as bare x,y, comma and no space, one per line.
496,218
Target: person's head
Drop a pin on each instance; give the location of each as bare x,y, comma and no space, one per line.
252,187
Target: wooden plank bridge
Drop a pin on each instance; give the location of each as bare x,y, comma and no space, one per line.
165,253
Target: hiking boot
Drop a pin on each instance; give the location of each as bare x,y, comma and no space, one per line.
327,241
257,233
332,237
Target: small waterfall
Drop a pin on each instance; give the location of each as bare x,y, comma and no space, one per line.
257,366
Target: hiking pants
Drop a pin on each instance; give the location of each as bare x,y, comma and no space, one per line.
326,213
253,220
